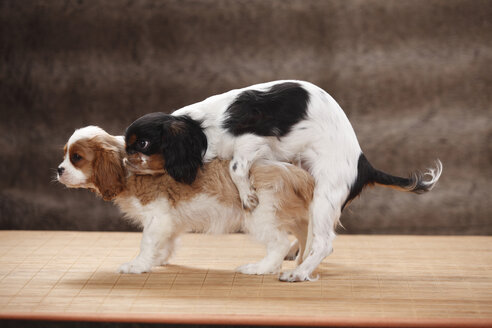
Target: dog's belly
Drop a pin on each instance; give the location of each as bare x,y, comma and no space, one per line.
206,214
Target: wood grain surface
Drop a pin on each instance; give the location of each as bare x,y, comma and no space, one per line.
368,280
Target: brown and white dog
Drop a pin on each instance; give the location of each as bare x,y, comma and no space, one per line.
166,208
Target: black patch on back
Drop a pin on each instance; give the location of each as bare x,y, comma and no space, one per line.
267,113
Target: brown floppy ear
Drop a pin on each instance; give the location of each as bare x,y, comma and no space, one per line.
108,171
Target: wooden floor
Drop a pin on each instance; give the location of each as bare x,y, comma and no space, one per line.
368,280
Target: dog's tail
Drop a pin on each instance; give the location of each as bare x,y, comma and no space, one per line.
418,182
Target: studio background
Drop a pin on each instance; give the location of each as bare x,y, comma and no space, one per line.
414,77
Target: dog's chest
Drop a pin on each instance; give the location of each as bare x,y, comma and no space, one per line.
139,213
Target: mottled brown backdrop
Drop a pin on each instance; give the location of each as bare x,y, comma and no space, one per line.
414,77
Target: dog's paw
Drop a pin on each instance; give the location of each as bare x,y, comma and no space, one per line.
134,267
250,201
295,276
255,268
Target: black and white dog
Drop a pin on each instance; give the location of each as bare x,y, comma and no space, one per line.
291,121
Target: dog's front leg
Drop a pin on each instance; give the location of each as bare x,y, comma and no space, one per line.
247,149
156,234
165,251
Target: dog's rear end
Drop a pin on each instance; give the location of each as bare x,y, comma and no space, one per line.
285,193
294,189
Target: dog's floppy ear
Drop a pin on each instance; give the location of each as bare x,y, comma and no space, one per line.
108,171
183,146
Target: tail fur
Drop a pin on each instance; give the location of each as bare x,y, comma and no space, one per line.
418,182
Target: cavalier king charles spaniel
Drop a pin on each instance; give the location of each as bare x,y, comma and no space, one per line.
166,208
287,121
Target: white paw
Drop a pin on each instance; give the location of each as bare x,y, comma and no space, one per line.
294,276
255,268
250,201
134,267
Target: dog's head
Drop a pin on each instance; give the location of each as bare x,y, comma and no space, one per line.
159,142
93,159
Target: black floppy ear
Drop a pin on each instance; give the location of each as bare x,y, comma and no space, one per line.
183,146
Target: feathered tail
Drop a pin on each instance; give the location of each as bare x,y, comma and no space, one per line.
418,182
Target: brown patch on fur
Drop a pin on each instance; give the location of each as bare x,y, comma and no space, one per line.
148,188
85,151
65,150
154,164
108,170
294,188
214,180
389,186
132,139
293,185
135,160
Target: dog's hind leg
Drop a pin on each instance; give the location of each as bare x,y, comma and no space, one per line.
247,149
276,247
263,225
326,210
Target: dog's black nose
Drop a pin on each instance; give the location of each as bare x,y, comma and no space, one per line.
60,170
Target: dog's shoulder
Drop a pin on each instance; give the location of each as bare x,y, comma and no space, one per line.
149,188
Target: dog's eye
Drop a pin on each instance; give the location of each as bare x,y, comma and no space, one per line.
143,144
75,157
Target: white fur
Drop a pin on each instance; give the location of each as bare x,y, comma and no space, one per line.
324,143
